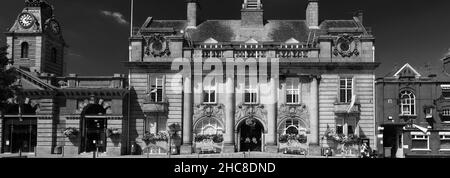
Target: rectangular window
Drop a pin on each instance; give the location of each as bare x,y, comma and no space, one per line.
209,93
445,140
292,91
346,126
420,141
155,88
250,93
345,90
445,115
340,126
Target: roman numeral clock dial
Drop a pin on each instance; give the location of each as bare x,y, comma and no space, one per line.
26,20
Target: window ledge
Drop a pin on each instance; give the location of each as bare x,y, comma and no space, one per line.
421,150
444,150
205,103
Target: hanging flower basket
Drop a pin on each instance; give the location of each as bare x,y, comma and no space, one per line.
113,132
293,137
153,138
71,132
216,138
346,140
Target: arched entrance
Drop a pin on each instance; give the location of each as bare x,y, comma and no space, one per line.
19,129
250,135
93,125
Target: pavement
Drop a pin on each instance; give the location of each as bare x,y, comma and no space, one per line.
223,155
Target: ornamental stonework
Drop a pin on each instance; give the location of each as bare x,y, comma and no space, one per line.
299,112
209,111
346,46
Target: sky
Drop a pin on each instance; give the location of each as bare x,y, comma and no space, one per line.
97,31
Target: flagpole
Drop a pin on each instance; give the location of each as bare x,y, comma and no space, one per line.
131,22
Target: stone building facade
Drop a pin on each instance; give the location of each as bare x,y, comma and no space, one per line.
50,106
249,84
413,112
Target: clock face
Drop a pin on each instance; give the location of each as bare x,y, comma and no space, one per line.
55,26
26,20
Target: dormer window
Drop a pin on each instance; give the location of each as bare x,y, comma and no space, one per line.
445,91
445,115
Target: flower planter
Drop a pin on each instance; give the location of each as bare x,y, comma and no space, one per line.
208,146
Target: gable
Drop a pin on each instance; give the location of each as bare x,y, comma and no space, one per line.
31,82
407,71
29,85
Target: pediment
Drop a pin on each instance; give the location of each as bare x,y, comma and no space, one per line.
147,23
252,41
407,71
30,82
211,41
292,41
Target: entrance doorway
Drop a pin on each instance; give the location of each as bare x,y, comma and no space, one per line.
250,135
19,135
393,141
93,134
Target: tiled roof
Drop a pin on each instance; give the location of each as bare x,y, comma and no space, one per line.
231,30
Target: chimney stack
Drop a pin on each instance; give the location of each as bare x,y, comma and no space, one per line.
312,14
252,14
193,10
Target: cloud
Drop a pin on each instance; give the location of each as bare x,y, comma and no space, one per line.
118,17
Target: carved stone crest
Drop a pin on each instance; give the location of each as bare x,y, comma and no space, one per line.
203,110
157,46
244,111
346,46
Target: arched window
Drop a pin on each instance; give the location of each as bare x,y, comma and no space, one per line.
407,103
208,126
54,55
293,127
24,50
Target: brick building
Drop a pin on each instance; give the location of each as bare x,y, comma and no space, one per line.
413,112
50,103
322,78
250,84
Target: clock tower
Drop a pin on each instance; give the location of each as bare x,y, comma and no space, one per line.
35,41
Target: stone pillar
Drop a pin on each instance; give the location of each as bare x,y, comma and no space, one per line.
314,109
229,143
186,148
271,139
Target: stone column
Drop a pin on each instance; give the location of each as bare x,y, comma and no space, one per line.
271,139
229,143
314,109
186,148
